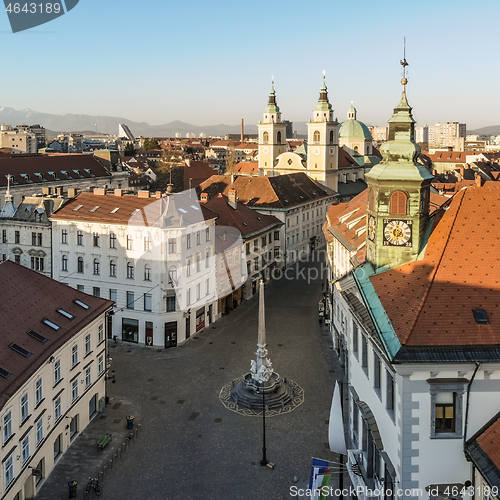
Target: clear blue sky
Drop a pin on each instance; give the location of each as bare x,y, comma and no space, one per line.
211,62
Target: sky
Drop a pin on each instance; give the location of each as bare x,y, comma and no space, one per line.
207,63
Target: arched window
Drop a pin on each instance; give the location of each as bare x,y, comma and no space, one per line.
80,265
64,263
398,203
356,149
265,137
147,272
172,275
278,138
112,268
97,267
316,136
130,270
371,200
331,136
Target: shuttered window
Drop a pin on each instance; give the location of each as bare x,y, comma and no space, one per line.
398,203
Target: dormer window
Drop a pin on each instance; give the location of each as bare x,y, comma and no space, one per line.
480,316
26,177
89,172
53,174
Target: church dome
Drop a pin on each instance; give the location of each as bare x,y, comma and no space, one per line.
354,129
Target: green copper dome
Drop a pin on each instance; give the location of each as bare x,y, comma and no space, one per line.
323,103
354,129
272,107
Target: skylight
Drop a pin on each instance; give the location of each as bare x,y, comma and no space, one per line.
20,350
4,373
114,210
51,324
480,316
81,304
65,313
77,208
95,208
37,336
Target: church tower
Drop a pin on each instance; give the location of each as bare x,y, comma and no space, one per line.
272,136
322,142
398,194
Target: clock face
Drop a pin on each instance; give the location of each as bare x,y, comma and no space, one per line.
316,151
397,233
371,227
265,151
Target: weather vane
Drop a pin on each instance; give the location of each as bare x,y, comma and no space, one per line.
324,74
272,79
404,63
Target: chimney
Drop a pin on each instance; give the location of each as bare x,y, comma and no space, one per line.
143,194
71,192
478,180
118,192
158,195
242,133
97,192
231,199
204,197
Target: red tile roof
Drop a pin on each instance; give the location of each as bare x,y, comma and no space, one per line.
450,156
247,167
489,441
430,301
26,298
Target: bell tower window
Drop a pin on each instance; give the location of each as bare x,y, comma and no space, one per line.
316,136
398,203
278,138
265,137
331,136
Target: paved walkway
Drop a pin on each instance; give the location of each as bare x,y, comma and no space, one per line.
191,446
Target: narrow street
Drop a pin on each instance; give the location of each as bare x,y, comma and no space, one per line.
191,446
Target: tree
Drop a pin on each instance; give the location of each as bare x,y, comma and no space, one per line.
151,144
129,149
230,161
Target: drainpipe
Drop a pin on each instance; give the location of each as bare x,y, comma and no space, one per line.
478,364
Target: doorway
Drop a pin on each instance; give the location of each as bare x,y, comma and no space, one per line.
171,334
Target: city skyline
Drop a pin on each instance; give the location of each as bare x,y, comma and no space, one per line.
156,65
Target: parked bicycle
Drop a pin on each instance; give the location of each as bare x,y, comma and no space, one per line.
92,487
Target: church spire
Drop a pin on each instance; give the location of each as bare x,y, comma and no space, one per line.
323,103
272,107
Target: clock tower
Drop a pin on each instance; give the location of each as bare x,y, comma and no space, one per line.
398,194
322,142
272,136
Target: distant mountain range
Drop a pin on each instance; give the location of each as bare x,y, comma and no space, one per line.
69,122
491,130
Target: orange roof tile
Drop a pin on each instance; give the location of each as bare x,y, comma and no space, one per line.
430,301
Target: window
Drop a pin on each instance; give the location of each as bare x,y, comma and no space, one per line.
207,258
37,263
446,407
207,286
130,270
8,470
80,288
148,302
188,241
79,265
64,263
79,237
172,275
389,391
100,363
74,390
130,242
97,267
247,248
64,236
198,263
17,259
264,241
88,377
25,449
112,268
24,408
222,284
57,446
276,235
130,300
170,303
100,335
38,391
198,291
255,245
256,263
355,338
7,426
188,296
113,295
33,239
316,136
331,136
207,234
172,245
147,244
39,431
198,238
96,291
87,343
398,203
364,353
57,409
112,240
188,267
4,236
95,239
377,369
57,371
265,137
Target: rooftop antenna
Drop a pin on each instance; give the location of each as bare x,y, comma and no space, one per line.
404,63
